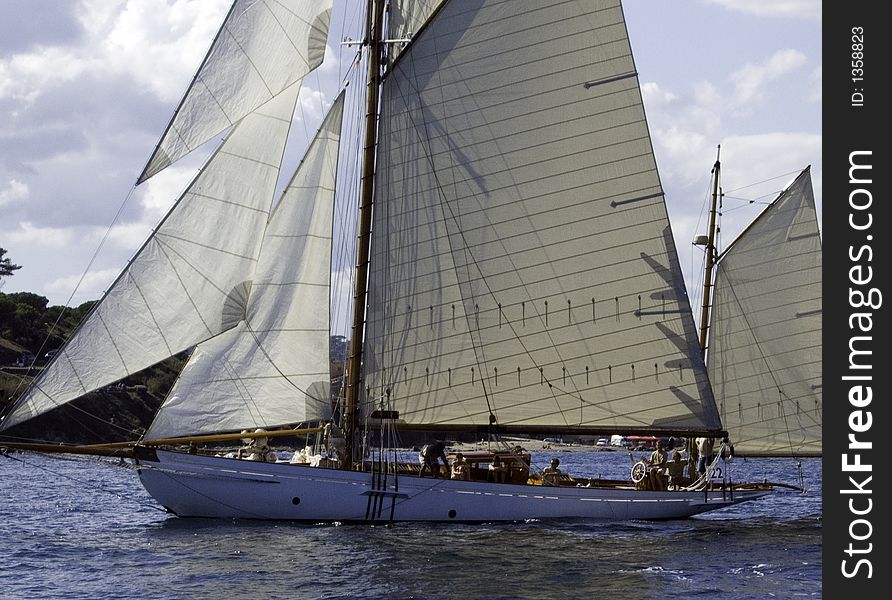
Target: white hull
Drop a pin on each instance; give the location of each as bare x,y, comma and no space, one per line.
204,486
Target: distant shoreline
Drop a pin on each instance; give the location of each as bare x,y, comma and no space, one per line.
534,446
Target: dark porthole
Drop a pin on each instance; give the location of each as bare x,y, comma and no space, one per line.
295,500
452,514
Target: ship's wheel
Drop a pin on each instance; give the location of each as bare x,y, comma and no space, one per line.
639,470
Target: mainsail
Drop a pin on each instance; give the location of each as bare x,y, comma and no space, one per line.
523,269
190,280
263,48
765,350
273,367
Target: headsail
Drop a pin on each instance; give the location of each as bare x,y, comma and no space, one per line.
262,48
765,350
523,265
273,368
190,280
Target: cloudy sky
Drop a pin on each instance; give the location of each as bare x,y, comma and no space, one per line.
88,86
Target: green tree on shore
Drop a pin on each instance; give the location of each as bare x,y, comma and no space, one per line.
7,268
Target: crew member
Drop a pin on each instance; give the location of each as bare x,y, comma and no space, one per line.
430,455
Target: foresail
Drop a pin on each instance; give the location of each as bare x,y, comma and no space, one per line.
273,368
765,350
523,266
190,280
262,48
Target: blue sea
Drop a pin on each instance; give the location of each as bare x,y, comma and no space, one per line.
85,528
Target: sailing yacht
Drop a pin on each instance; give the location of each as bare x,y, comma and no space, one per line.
515,274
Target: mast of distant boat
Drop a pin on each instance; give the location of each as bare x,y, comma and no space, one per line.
710,255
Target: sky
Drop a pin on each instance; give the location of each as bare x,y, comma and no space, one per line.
88,86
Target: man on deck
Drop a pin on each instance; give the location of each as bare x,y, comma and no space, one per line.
430,455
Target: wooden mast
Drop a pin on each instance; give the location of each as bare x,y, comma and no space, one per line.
710,255
374,19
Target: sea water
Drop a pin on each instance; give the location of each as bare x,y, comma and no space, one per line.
85,528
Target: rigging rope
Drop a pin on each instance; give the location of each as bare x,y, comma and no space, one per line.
65,307
749,185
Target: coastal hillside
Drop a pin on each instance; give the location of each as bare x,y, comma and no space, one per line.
30,332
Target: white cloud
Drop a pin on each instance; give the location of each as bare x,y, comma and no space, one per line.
47,252
654,94
686,126
159,192
45,237
311,105
23,77
74,115
89,286
160,49
681,142
14,191
751,79
800,9
751,158
754,167
127,236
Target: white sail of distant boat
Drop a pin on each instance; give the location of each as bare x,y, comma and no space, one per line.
765,350
515,273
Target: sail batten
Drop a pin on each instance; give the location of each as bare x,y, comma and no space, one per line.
272,368
765,346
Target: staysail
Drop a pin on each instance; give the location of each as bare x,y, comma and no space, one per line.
523,268
273,367
190,280
262,48
765,350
